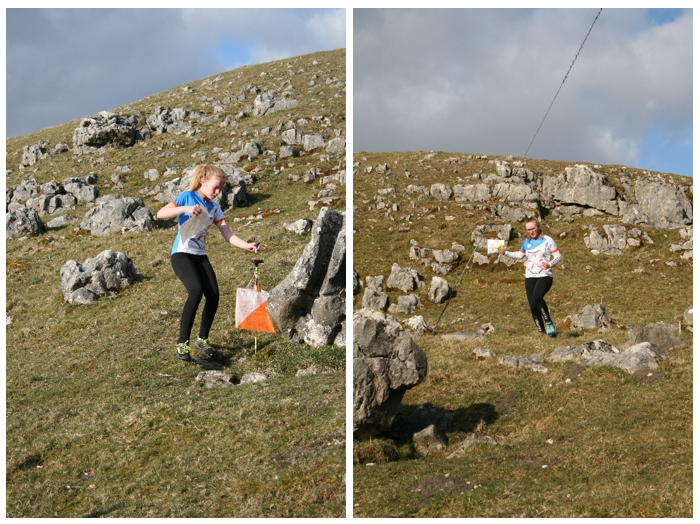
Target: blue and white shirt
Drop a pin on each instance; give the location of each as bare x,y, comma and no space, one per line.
195,245
536,251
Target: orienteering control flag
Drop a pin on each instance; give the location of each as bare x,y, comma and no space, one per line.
250,310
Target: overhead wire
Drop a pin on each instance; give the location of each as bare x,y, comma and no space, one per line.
562,82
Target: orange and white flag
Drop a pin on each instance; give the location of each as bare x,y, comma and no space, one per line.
250,310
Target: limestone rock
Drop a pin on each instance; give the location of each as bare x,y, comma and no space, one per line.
467,442
405,304
439,290
118,214
386,363
638,357
405,279
309,304
581,185
580,352
23,221
429,440
105,274
592,317
661,334
104,131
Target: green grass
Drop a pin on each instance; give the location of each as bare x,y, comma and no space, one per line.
620,447
101,418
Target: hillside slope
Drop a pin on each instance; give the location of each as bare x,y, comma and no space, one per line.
102,420
572,442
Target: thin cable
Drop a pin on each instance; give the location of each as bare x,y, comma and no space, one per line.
562,83
459,279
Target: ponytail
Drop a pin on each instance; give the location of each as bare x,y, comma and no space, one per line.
205,172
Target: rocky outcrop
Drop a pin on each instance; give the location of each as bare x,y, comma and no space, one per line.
583,186
118,214
103,275
644,356
658,204
104,131
309,304
268,103
166,120
386,363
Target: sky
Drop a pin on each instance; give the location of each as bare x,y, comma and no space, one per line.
482,80
63,64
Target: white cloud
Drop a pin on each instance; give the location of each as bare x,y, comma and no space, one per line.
481,80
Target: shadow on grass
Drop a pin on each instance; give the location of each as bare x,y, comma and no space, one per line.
102,512
465,420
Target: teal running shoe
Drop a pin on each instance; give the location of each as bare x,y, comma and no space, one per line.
550,329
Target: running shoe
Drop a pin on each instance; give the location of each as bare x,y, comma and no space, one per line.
550,329
205,347
182,351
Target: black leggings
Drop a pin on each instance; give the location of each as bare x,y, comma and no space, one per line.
536,289
199,279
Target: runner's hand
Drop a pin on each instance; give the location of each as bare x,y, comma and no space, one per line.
196,210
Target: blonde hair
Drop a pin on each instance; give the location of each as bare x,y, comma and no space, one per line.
205,172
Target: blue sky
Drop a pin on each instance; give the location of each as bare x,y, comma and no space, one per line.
481,80
64,64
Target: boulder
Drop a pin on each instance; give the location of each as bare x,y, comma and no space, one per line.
375,298
31,154
386,363
429,440
309,304
661,334
336,145
299,227
439,290
118,214
592,317
217,379
417,325
104,131
688,315
105,274
23,221
405,304
84,188
405,279
613,244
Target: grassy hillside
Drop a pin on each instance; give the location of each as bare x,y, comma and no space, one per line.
602,444
102,420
